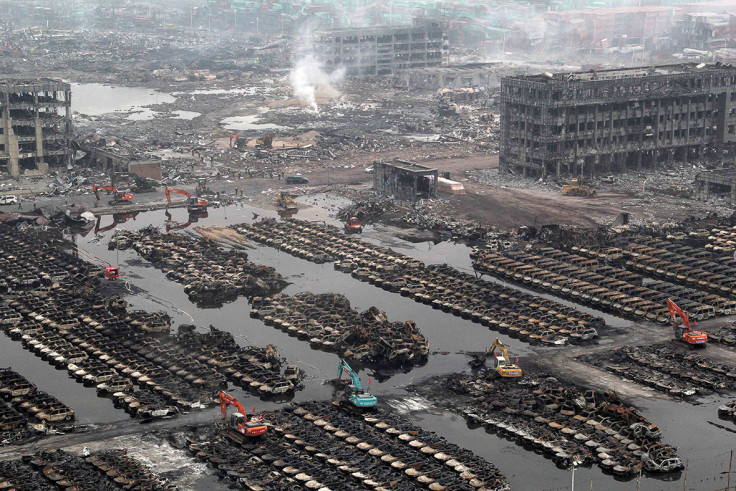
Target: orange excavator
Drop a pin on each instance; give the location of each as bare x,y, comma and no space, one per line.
118,197
353,226
193,204
242,425
683,331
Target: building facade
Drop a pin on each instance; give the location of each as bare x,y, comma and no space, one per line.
382,50
35,125
609,121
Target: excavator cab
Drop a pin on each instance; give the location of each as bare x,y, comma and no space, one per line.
502,364
353,226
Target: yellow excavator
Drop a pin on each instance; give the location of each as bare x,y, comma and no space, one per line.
577,188
503,365
285,200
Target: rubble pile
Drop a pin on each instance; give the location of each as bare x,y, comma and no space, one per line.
440,220
317,445
211,275
601,286
725,334
328,322
29,410
368,210
105,470
532,319
566,423
667,369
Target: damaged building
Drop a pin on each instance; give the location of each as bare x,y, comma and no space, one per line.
383,50
609,121
36,125
405,181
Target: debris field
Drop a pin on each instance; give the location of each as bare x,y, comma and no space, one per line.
328,322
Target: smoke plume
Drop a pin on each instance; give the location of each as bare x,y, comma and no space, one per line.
307,75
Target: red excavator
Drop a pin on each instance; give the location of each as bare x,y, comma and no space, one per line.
242,425
683,332
118,197
193,204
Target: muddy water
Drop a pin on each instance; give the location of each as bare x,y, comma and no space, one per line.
97,99
450,337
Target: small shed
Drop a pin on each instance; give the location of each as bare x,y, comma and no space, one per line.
406,181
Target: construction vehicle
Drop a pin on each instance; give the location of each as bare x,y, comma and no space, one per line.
265,142
577,188
683,331
118,197
285,200
503,365
242,426
193,204
353,226
355,396
112,272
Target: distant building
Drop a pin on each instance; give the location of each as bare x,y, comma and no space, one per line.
383,50
703,31
609,121
35,125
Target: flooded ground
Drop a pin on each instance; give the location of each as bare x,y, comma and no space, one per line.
450,339
98,99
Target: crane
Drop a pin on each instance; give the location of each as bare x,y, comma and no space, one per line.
503,365
193,204
241,424
684,332
118,197
355,396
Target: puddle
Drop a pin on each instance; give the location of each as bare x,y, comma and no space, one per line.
98,99
242,123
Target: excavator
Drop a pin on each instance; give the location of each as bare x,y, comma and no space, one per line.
193,204
202,188
355,396
683,331
242,426
353,226
503,365
286,201
577,188
118,197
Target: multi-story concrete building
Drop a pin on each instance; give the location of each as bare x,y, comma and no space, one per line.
607,121
383,50
35,125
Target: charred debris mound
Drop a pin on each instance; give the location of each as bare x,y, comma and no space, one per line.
327,321
210,274
565,422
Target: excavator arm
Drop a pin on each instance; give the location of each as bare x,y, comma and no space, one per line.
343,367
177,191
675,310
225,400
501,348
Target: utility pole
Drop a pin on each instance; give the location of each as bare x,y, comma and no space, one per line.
730,461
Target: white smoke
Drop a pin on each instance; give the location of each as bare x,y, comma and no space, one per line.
307,76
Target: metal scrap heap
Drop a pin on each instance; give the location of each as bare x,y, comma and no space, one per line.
327,321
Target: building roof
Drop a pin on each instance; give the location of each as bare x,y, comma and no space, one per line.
407,166
625,73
